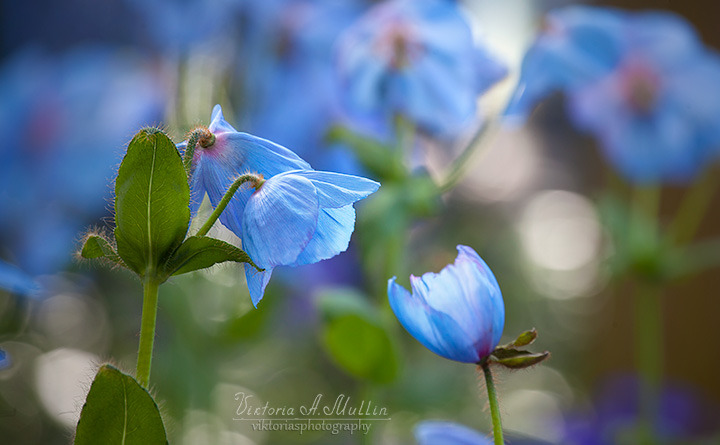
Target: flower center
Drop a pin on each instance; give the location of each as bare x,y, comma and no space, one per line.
641,88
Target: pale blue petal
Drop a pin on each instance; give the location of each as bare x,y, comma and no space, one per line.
435,330
469,294
437,432
337,189
256,282
218,123
332,236
281,219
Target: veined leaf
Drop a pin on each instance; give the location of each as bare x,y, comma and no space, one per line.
199,252
152,198
119,411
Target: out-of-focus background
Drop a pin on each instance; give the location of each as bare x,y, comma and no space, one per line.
79,78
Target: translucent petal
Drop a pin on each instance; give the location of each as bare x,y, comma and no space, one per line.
281,218
332,236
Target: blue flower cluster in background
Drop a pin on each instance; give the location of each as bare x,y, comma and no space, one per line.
62,113
642,83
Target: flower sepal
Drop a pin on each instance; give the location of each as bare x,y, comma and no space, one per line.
511,357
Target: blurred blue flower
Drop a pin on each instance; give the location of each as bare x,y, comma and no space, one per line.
16,281
644,84
458,313
436,432
174,24
416,58
681,415
290,43
65,119
234,153
299,217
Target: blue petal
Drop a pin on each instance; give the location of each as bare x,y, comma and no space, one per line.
337,189
580,45
218,124
16,281
256,282
435,330
281,218
436,432
233,154
332,236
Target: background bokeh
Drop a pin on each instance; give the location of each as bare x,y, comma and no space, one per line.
79,78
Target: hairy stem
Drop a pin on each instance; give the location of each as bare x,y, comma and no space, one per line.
255,180
494,406
147,329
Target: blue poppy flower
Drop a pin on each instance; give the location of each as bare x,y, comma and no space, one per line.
643,84
299,217
436,432
416,58
458,313
234,153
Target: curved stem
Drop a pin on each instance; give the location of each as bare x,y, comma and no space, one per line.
256,181
494,406
147,329
457,169
200,135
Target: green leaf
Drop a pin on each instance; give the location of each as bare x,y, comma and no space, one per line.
119,411
523,339
152,198
200,252
356,340
514,359
97,246
376,157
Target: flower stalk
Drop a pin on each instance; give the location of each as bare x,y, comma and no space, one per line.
256,181
147,329
494,405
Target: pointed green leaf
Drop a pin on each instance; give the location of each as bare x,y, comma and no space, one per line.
97,246
200,252
356,339
151,202
514,359
523,339
119,411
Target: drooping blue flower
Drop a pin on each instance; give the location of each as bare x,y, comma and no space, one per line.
458,313
299,217
437,432
643,84
65,118
234,153
416,58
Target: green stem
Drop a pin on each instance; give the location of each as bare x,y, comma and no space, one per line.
479,140
256,181
494,406
694,205
147,329
199,135
648,352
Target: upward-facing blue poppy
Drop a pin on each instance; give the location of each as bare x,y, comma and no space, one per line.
458,313
226,153
299,217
